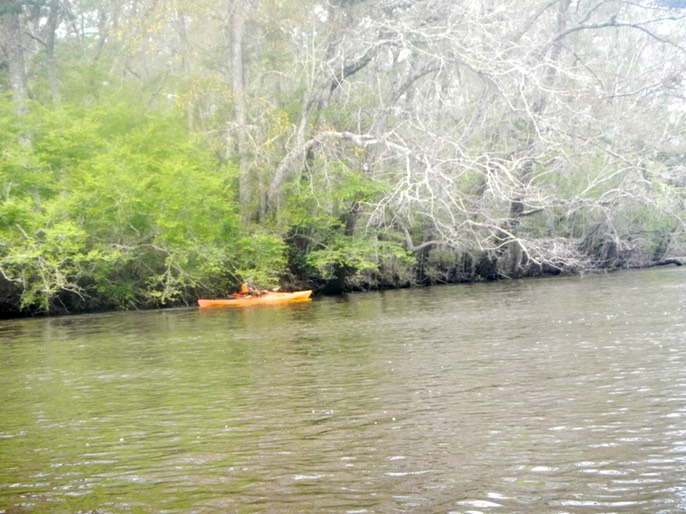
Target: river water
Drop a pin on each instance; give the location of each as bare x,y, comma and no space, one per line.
552,395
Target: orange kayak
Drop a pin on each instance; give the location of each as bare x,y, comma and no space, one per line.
268,298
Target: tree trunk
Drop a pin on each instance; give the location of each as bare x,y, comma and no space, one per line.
245,192
518,201
184,51
53,20
15,58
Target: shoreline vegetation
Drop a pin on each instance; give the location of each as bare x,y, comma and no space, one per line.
327,288
153,154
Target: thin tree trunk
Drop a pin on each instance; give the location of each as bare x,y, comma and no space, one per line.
185,65
15,59
53,20
245,192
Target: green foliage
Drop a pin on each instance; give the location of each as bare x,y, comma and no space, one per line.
647,230
47,264
361,261
113,207
344,253
262,258
325,200
323,218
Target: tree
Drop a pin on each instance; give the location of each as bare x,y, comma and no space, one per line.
47,18
13,49
238,18
495,123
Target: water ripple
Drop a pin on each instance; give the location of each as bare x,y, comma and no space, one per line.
562,395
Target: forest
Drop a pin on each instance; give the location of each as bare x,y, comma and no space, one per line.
153,152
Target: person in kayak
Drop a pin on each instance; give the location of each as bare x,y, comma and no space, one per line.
249,289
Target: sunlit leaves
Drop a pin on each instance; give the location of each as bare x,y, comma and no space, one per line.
120,205
262,258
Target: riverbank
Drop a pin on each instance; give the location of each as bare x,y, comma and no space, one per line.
10,308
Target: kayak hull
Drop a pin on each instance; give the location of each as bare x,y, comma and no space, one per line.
268,298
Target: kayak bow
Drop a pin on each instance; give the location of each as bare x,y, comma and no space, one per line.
268,298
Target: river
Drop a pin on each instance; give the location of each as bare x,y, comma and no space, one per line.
538,396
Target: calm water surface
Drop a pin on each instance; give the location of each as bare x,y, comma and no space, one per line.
562,395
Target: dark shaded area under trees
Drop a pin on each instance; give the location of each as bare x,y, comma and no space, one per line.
156,152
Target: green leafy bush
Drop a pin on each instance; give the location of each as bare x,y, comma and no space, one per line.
111,207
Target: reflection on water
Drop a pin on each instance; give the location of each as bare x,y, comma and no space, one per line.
563,395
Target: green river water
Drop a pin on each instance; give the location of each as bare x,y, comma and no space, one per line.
553,395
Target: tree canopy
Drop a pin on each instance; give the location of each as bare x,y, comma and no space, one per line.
158,151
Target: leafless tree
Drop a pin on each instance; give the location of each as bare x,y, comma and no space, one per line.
523,134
